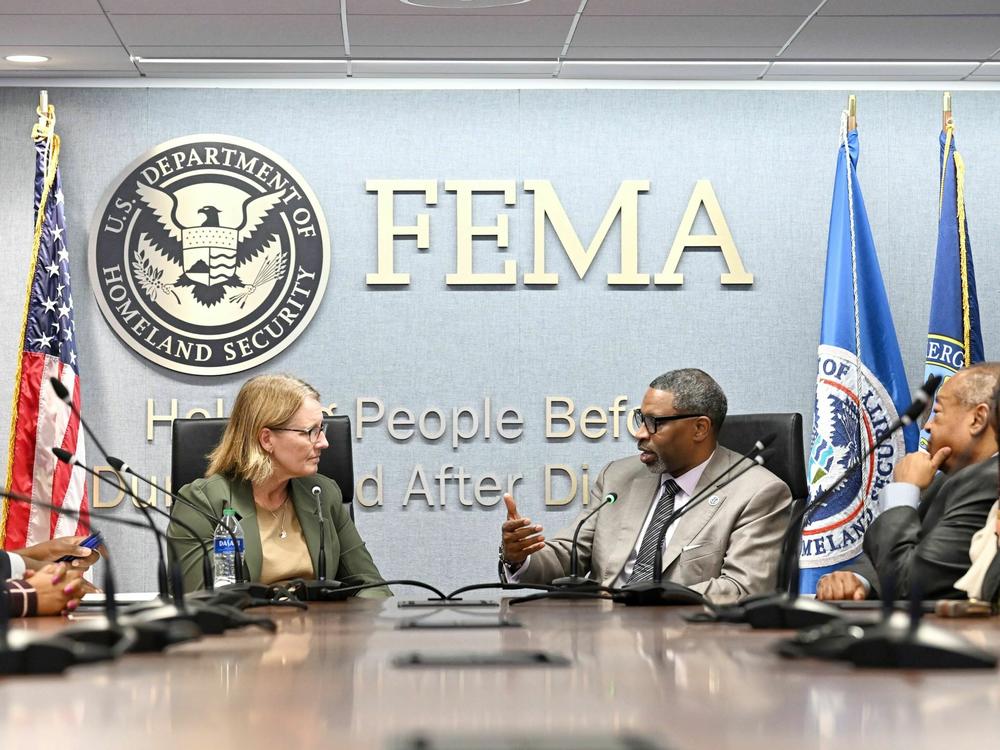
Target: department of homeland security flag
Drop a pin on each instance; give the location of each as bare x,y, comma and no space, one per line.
860,384
39,419
954,338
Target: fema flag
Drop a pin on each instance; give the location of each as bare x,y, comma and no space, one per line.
40,420
954,339
860,384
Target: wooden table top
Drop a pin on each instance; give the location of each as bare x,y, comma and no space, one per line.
328,679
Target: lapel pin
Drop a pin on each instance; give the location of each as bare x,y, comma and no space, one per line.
714,500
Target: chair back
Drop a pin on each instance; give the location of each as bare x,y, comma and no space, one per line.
787,460
194,439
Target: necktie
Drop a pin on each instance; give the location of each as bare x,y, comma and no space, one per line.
643,569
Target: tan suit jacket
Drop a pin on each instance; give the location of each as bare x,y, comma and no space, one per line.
726,548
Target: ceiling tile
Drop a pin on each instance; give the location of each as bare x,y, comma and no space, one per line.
967,38
662,71
909,7
503,69
872,69
245,30
223,7
578,52
223,70
396,8
68,58
457,30
293,51
550,52
50,7
700,8
83,30
698,31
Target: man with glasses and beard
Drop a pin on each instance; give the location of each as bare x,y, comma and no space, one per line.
725,549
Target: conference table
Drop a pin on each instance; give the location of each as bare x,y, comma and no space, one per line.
369,673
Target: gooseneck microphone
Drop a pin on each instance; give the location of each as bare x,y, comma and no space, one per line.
120,466
659,592
321,563
176,579
574,580
115,633
211,618
784,608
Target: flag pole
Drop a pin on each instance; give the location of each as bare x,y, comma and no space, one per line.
945,110
852,113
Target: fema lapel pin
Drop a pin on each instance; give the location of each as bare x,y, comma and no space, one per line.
714,500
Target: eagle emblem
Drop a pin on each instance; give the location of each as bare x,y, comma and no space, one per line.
207,258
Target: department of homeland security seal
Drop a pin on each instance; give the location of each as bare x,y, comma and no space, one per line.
209,255
852,411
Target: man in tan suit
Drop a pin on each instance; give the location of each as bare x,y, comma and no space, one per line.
726,548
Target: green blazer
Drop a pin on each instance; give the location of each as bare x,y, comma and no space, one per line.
346,554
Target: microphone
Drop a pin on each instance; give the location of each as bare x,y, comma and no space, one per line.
68,458
212,619
121,467
574,580
659,592
784,608
321,588
114,634
321,566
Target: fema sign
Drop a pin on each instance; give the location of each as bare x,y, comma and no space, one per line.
209,255
853,410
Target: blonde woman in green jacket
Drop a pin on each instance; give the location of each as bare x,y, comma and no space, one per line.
265,468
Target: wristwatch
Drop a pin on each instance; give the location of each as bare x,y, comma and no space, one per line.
506,564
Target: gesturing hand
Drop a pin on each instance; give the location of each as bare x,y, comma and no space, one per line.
520,538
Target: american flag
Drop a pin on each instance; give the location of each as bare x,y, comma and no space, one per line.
39,419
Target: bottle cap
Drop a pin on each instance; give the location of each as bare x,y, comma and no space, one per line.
229,511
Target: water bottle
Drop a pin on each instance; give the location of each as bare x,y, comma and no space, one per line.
225,555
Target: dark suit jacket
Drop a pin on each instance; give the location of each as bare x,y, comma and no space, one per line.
929,544
346,553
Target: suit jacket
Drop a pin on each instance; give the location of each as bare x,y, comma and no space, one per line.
726,548
939,530
346,554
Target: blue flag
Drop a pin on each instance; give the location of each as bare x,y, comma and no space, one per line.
954,338
860,384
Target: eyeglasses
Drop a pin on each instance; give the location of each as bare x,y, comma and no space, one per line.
312,433
652,422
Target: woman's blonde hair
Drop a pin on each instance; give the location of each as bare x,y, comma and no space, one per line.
263,401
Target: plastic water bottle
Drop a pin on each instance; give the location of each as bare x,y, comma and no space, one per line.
225,555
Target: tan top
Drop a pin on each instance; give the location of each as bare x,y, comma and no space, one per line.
283,559
981,553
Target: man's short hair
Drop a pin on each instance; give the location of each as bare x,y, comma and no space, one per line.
695,392
978,384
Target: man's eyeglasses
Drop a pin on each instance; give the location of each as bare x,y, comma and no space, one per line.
312,433
652,422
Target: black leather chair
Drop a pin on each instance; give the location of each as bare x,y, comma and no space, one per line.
194,439
787,459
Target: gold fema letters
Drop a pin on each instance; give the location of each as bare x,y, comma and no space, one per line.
548,209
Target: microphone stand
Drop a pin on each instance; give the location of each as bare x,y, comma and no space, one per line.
117,634
321,588
658,592
574,581
786,609
212,619
241,594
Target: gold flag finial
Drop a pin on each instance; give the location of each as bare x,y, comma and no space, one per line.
852,112
945,110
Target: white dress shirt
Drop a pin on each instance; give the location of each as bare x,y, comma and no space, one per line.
17,566
687,483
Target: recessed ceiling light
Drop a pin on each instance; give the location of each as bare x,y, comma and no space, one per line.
26,58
